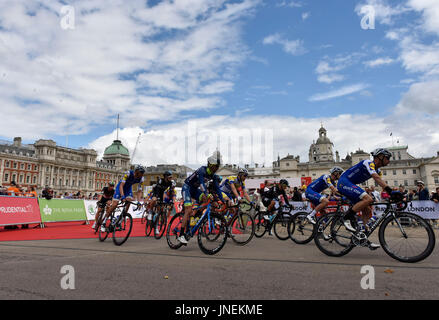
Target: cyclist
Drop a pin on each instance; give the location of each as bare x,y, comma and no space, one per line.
194,187
158,190
170,196
314,191
361,172
104,198
124,189
231,185
270,196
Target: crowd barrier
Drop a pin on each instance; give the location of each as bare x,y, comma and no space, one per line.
19,210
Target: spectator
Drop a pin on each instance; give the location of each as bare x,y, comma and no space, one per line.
412,195
423,193
47,193
402,190
435,196
3,191
14,190
375,194
297,196
384,196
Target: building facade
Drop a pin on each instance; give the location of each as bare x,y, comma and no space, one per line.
403,169
65,170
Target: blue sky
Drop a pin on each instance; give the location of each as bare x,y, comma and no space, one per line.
284,65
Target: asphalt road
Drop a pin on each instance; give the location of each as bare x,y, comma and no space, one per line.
266,268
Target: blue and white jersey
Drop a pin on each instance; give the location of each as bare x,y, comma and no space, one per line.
322,183
129,180
361,172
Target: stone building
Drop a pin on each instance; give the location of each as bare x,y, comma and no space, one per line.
44,163
404,169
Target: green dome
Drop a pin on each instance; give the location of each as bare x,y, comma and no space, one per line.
116,148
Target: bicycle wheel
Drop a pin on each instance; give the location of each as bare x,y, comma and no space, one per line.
260,225
173,231
242,228
149,224
213,228
122,229
331,237
160,225
280,226
104,234
303,231
407,237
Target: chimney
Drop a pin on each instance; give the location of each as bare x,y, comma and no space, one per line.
17,142
337,156
256,165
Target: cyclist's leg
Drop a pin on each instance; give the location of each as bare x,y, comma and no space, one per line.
187,198
355,194
319,201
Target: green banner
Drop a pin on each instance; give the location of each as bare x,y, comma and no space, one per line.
56,210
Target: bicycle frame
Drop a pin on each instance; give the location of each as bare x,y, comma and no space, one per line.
206,213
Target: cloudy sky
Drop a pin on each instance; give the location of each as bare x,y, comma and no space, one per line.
185,73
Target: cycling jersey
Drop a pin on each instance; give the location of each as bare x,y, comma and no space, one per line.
195,185
160,187
272,193
314,190
129,181
226,186
361,172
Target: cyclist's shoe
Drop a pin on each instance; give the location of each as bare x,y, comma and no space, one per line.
266,217
373,246
103,229
93,226
348,226
183,240
327,237
311,219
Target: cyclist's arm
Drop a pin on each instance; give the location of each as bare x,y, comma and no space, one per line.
235,192
381,182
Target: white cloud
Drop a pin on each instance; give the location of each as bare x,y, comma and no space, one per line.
430,13
290,4
305,15
169,143
330,78
384,12
422,97
344,91
293,47
123,57
379,62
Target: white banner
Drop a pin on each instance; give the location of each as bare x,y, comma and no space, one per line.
425,208
90,209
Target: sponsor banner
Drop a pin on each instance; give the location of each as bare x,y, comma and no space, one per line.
425,208
58,210
300,206
19,210
90,209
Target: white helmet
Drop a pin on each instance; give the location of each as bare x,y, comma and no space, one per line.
215,159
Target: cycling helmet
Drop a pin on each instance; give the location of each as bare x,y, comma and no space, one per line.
215,159
285,182
382,151
243,172
167,173
336,170
139,168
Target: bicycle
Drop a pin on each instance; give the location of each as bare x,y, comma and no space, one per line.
211,230
157,220
280,222
302,231
240,224
396,229
120,223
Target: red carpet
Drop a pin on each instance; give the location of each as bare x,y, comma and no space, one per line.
61,230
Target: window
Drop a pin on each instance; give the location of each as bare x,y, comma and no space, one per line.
27,179
288,164
29,167
15,165
436,179
394,172
406,183
395,183
414,172
7,164
384,172
22,166
404,171
6,177
14,177
35,180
